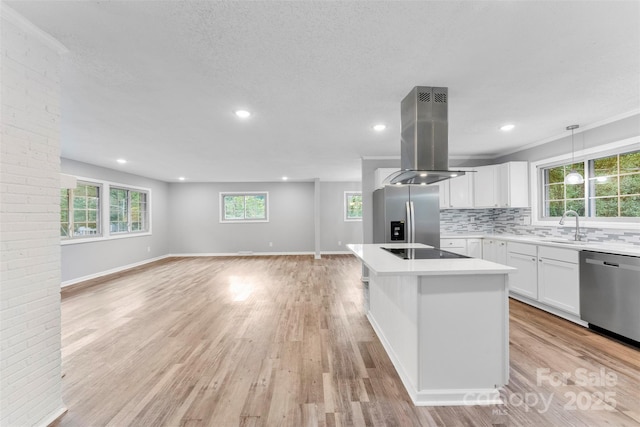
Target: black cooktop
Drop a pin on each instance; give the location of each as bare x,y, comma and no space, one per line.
423,253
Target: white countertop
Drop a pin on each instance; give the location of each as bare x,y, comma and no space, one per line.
614,248
386,264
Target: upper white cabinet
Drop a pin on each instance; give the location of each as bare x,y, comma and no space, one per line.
513,185
461,191
487,186
501,186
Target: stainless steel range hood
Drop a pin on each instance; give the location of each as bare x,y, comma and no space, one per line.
425,137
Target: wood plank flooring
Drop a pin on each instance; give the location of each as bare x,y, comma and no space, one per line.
283,341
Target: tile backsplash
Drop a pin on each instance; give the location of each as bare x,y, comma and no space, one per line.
511,221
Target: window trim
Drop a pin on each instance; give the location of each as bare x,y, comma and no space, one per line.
244,220
346,204
104,208
537,181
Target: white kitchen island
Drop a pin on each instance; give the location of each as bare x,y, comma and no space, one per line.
443,322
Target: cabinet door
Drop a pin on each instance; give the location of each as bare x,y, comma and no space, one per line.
501,252
443,187
558,284
489,249
474,248
513,185
485,186
461,192
524,281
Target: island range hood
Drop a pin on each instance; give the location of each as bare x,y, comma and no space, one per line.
424,156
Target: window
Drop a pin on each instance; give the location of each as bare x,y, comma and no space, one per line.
244,207
127,210
352,206
80,211
611,189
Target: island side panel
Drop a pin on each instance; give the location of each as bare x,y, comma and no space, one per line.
393,313
464,332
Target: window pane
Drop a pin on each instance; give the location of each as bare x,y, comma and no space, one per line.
606,187
606,207
630,162
118,210
64,213
555,192
255,207
138,210
630,184
578,167
630,206
555,208
606,166
576,205
575,191
233,207
354,206
555,175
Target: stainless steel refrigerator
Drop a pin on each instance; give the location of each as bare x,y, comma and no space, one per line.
407,214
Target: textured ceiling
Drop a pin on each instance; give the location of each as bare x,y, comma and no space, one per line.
156,82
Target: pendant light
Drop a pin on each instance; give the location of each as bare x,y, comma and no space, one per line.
573,177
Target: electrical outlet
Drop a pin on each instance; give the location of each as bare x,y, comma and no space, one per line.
270,244
148,248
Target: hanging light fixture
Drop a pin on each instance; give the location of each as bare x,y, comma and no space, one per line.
573,177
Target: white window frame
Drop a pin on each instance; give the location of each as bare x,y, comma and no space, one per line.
537,182
223,220
345,208
105,213
128,189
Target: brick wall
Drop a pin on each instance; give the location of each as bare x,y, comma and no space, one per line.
30,371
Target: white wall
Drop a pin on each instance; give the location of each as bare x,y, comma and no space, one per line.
30,374
83,260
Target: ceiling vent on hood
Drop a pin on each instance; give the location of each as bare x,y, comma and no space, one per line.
424,155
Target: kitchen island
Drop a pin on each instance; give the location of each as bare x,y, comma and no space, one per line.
443,322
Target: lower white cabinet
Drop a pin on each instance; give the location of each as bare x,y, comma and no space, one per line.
524,281
474,248
494,250
559,278
546,274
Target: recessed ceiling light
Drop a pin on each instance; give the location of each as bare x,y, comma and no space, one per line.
423,183
284,178
243,114
181,178
121,161
422,175
507,128
379,127
453,175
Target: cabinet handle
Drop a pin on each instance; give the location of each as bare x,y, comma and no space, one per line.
533,259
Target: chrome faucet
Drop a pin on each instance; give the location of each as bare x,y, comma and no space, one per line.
578,235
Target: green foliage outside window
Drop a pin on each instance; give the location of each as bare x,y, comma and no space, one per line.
353,205
611,188
245,207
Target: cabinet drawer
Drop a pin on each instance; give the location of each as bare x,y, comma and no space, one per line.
522,248
453,243
559,254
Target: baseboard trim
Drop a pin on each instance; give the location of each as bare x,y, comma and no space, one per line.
101,274
243,253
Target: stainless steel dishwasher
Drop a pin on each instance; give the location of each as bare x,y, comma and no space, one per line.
610,292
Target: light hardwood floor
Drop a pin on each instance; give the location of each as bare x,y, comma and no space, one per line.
283,341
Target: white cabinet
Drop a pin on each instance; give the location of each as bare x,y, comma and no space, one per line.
494,250
474,248
486,186
524,257
512,180
461,191
558,278
458,246
443,188
546,274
